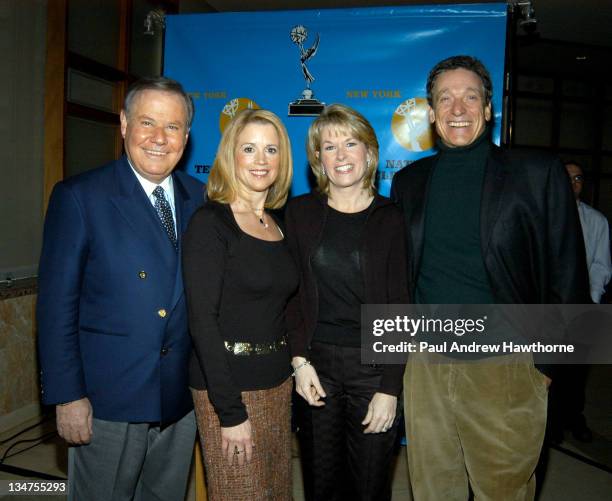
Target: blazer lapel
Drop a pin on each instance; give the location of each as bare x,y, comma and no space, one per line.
184,206
491,200
419,195
132,203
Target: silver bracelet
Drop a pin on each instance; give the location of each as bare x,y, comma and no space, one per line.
306,362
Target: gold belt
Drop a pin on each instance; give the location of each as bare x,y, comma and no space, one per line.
243,349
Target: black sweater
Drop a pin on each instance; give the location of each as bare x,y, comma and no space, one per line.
337,265
383,265
452,268
237,287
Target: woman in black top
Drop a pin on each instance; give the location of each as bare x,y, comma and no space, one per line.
238,277
349,243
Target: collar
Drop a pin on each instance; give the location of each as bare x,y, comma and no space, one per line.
379,200
480,140
148,186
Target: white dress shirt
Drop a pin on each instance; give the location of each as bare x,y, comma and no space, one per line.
596,233
148,186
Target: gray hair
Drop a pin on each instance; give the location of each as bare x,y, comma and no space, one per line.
461,62
162,84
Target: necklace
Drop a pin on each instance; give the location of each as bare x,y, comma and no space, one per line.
261,218
255,211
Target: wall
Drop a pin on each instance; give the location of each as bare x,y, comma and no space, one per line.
564,105
19,385
22,44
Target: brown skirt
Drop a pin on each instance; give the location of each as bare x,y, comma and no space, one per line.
267,477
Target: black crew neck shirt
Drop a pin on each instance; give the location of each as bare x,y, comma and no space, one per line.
337,267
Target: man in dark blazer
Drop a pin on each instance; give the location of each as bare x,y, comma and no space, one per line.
112,322
485,226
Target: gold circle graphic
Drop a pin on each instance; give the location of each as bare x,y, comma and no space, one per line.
232,107
410,125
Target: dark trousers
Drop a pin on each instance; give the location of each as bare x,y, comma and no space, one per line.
567,397
339,461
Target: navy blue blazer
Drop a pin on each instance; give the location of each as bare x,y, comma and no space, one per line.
111,313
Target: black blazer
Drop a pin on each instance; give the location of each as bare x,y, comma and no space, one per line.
531,239
383,264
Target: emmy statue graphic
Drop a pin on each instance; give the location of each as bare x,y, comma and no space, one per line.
307,105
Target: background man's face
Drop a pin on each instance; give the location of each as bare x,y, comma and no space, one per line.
577,178
459,110
155,133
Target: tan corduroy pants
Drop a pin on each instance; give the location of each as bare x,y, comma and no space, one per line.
477,423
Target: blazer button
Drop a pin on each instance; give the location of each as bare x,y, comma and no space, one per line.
162,313
164,351
142,275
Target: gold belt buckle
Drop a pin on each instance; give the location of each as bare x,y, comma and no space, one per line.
244,348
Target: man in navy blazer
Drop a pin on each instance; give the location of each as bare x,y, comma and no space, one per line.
112,322
485,226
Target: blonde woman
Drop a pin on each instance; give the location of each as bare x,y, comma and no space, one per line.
349,244
238,277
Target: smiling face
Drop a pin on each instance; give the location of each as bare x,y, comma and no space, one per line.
344,158
459,110
155,133
257,158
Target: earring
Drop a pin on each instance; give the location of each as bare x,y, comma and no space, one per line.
323,171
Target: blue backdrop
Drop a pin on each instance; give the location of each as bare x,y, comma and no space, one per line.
373,59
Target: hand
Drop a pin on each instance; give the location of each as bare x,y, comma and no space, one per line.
237,438
547,380
74,421
307,383
381,413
